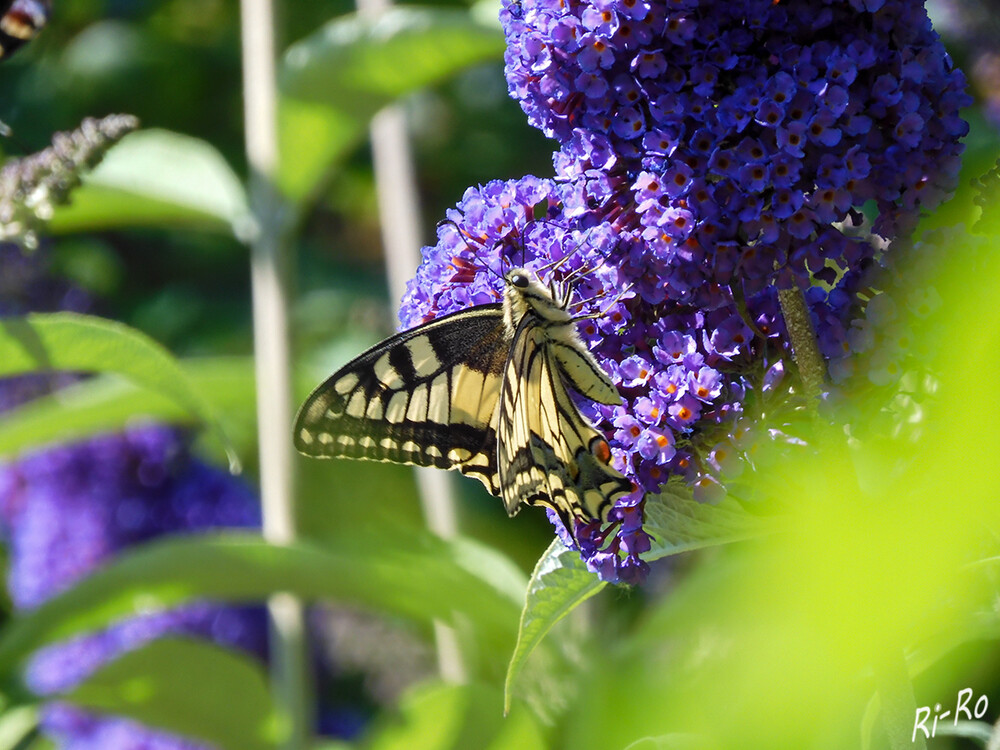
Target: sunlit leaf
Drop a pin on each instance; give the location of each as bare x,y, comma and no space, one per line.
43,342
561,581
157,178
335,80
15,726
189,687
680,524
453,717
408,574
109,403
313,137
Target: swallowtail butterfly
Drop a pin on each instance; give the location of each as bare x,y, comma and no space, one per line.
484,391
20,22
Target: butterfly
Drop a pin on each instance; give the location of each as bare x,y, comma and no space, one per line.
20,22
486,391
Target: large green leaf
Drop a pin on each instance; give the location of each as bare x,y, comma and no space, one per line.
109,403
68,341
189,687
335,80
405,573
313,138
559,584
377,60
16,724
680,524
453,717
561,581
157,178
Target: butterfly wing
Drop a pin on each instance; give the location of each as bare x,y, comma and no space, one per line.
20,22
427,396
547,452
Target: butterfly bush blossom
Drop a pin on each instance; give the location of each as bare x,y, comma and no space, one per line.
65,511
743,130
709,154
68,510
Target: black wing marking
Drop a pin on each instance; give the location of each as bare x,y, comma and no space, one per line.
426,396
20,22
547,453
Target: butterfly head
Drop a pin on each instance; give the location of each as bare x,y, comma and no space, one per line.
525,294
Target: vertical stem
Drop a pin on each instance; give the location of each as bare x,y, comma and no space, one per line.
269,278
898,704
803,339
399,214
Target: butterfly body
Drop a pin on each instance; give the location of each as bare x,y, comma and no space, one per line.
484,391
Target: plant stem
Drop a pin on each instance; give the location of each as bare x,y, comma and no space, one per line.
898,704
803,339
399,218
269,265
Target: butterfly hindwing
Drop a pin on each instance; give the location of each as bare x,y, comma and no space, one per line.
548,453
426,396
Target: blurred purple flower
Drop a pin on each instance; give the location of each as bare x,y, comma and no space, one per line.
68,509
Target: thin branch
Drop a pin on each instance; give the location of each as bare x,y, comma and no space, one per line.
399,212
806,352
269,278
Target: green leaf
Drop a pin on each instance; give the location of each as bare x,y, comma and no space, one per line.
561,581
558,584
411,575
189,687
72,342
157,178
312,137
335,80
15,725
109,403
678,523
378,60
453,717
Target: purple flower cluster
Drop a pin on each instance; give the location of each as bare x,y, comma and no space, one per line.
677,367
709,154
67,510
743,130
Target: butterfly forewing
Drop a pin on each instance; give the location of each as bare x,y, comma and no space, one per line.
426,396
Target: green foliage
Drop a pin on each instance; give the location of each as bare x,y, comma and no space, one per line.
451,717
16,724
801,618
71,342
561,582
376,62
232,707
106,404
417,577
158,178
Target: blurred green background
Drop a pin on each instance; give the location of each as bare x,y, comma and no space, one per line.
780,641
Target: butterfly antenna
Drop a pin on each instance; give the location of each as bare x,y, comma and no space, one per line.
475,250
607,309
554,265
